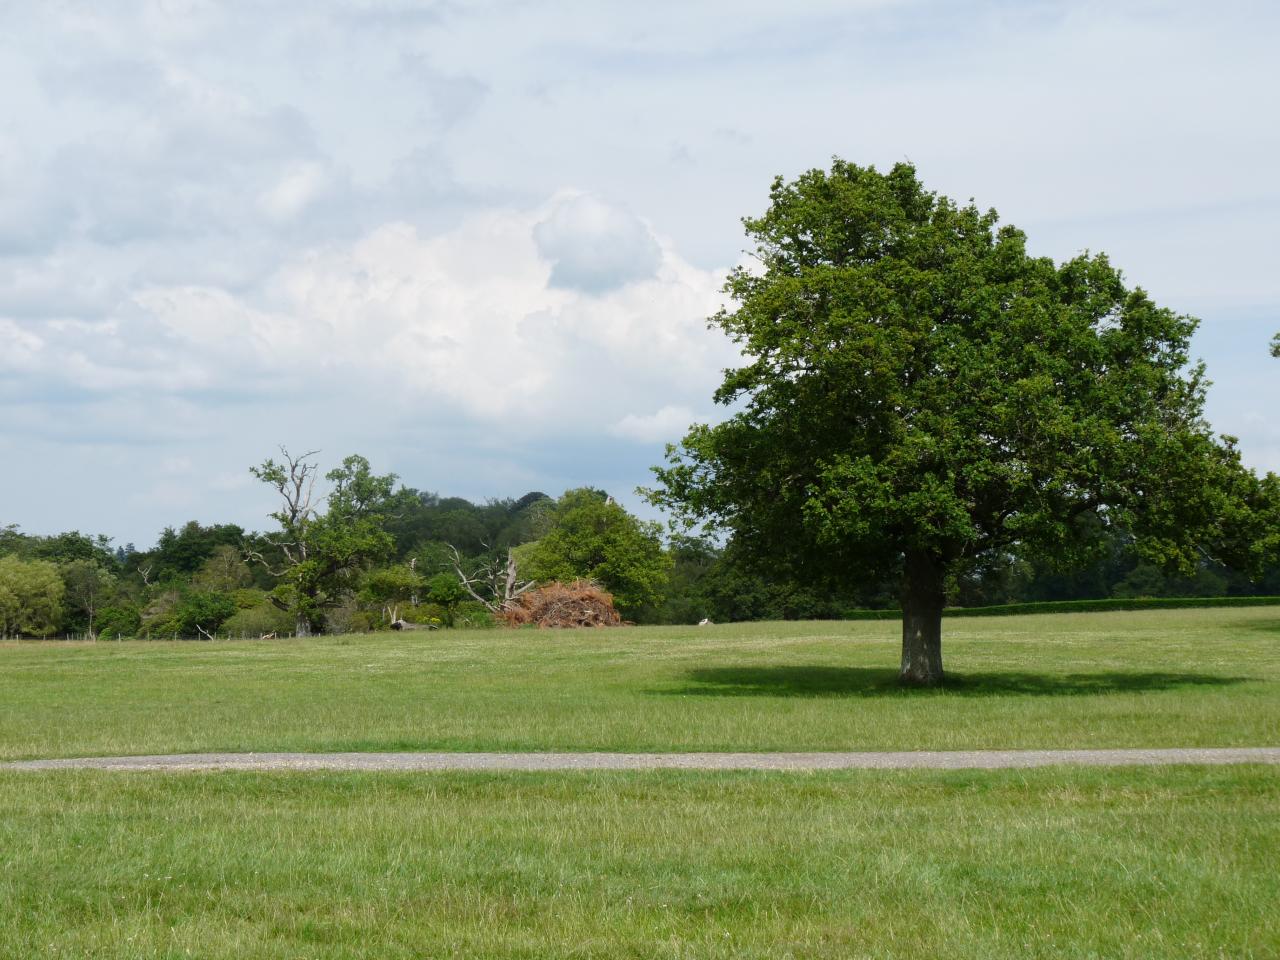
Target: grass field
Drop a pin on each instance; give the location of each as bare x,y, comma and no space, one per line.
1150,863
1162,678
1066,863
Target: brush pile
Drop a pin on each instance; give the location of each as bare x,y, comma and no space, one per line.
578,604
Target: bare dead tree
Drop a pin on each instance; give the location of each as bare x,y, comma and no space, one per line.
492,582
294,479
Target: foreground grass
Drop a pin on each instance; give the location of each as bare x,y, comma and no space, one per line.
1163,678
1165,863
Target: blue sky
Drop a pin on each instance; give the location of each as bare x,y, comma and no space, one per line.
477,242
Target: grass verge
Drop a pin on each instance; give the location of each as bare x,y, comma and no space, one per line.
1069,863
1135,679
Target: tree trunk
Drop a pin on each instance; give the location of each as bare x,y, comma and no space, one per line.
923,595
302,627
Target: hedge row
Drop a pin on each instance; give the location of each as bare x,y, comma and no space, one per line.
1077,606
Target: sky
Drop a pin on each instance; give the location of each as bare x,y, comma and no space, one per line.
477,242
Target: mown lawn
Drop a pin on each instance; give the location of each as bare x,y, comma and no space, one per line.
1063,863
1146,678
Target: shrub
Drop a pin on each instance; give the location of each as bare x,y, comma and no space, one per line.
472,615
258,621
430,613
202,612
248,598
119,621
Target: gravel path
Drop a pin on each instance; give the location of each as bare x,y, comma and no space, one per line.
936,760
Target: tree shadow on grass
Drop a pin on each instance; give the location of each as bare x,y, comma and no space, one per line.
1257,626
824,681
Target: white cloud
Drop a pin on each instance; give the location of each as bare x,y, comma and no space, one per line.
294,191
19,349
467,321
471,318
669,423
595,247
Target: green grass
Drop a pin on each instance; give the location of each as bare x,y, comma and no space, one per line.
1150,863
1148,678
1064,863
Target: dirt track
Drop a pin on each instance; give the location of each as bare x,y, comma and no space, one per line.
936,760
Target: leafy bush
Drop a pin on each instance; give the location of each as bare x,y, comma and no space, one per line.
119,621
257,621
248,598
471,614
203,611
159,618
432,613
349,618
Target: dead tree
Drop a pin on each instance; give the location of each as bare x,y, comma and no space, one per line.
294,479
492,582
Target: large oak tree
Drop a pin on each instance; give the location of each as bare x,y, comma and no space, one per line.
919,394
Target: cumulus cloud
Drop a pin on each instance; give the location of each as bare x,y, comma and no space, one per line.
467,320
668,423
595,247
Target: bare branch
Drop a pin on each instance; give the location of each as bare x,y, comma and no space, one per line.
468,582
294,479
253,556
500,581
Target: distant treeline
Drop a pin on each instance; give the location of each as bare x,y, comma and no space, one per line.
1081,606
221,580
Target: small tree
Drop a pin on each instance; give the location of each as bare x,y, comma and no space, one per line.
388,587
88,588
294,479
920,395
446,590
592,537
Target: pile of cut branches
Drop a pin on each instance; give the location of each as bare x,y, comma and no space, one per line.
578,604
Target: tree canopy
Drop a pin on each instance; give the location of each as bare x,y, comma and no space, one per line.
921,395
30,597
593,537
323,554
